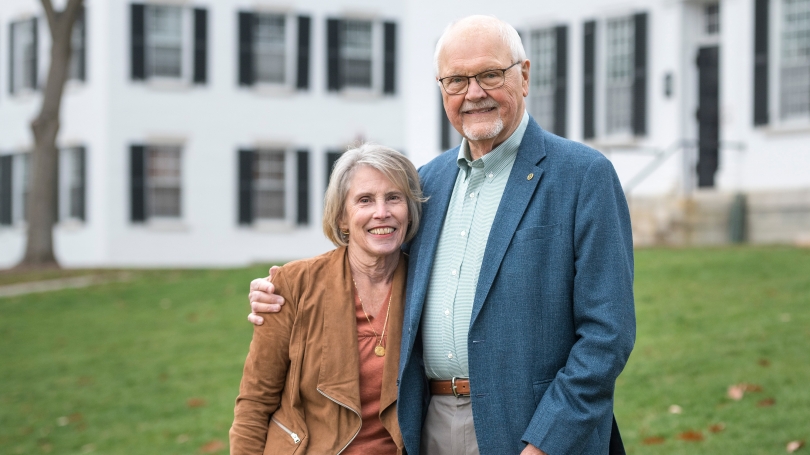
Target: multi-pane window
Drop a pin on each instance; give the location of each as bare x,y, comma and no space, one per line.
77,56
619,59
269,184
356,53
794,71
270,48
711,18
164,41
163,184
543,55
71,183
23,56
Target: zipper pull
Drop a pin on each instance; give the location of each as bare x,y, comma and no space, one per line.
295,437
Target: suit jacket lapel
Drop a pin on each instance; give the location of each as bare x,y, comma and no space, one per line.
516,196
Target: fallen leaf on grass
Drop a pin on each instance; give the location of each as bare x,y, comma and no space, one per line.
213,446
691,436
766,403
793,446
652,440
195,402
736,391
675,409
183,438
717,427
764,362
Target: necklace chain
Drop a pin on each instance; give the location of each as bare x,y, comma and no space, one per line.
380,349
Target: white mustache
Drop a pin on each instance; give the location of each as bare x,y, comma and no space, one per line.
486,104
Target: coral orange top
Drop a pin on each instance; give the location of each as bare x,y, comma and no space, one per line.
373,437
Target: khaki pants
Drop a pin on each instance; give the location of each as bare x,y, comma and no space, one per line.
448,428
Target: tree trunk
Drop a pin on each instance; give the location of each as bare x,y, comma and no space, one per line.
41,208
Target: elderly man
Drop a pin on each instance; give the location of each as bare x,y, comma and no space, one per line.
519,313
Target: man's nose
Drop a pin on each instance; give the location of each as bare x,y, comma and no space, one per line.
474,90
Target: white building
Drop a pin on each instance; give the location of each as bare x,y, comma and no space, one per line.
201,133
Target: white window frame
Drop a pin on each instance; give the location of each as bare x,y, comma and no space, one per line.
290,183
775,52
70,178
166,182
542,94
604,92
186,45
377,56
290,52
19,66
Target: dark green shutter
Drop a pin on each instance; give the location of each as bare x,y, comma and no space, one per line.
138,37
200,46
302,79
589,81
334,79
246,160
389,57
561,82
761,18
246,76
640,76
137,168
302,187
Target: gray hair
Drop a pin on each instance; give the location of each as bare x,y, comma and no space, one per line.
394,165
507,33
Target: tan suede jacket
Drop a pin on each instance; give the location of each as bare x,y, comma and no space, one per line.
300,388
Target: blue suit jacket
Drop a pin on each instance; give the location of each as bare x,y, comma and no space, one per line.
553,321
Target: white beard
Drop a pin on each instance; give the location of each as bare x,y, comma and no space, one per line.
483,132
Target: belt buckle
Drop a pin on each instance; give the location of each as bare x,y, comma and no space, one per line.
453,387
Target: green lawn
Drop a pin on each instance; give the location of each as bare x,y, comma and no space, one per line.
152,365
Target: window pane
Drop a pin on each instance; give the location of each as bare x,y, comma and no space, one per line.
24,55
711,15
795,62
164,40
268,184
620,60
163,181
269,48
543,55
77,52
355,53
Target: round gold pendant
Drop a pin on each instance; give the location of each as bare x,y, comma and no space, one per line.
380,351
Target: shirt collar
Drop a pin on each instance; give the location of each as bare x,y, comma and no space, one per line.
494,161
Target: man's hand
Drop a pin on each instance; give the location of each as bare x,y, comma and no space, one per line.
532,450
263,298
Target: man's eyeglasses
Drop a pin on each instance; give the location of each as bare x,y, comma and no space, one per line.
488,80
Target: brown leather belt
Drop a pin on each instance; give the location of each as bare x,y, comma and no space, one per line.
459,387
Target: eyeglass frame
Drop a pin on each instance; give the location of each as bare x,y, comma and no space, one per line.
467,88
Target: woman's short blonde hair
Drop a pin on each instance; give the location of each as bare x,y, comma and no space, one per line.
394,165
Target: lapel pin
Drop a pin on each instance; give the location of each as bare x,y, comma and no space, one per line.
530,176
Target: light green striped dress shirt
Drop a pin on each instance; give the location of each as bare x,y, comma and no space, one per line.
460,252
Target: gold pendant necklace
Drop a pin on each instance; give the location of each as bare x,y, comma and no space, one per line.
379,350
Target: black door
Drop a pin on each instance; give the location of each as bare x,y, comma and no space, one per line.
708,116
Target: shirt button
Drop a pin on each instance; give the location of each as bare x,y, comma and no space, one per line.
447,312
472,195
463,233
491,175
453,272
449,355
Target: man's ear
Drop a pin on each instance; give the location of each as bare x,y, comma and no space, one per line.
524,72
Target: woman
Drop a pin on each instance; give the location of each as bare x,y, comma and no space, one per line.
320,377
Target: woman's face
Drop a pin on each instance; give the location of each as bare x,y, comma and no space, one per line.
376,214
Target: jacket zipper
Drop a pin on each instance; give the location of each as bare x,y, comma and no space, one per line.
294,436
350,409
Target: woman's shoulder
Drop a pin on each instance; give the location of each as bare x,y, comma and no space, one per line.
297,274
